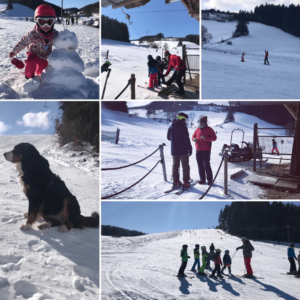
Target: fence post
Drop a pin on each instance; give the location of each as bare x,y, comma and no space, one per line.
226,172
254,146
107,54
163,160
184,59
117,135
132,79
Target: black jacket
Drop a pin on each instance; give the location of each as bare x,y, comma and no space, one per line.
179,136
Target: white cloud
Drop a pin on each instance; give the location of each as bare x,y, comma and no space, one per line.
3,127
39,120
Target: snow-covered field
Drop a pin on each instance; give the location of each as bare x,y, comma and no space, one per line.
47,264
224,76
127,59
13,27
140,136
143,268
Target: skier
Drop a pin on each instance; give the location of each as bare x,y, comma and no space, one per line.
204,259
197,258
26,18
203,137
247,252
218,263
72,20
178,64
153,70
243,54
291,257
266,57
160,74
226,262
39,41
181,149
184,259
274,146
212,249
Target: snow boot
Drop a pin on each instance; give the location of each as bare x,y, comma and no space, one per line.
180,275
176,184
212,276
202,182
149,88
209,182
220,276
193,270
202,273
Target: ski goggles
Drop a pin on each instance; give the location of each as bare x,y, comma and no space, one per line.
45,21
181,118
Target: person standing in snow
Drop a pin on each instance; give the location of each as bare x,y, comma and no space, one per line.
72,20
274,146
218,264
266,57
153,71
181,149
197,258
243,54
39,41
247,253
184,259
160,74
203,137
205,256
178,64
292,257
226,262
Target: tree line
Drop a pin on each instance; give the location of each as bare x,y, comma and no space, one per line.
118,231
114,30
274,221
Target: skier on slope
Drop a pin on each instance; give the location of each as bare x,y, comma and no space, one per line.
181,149
212,249
178,64
226,262
247,252
218,264
274,143
204,260
197,258
243,54
292,257
39,41
266,57
184,259
153,71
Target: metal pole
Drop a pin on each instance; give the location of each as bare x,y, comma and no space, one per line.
132,86
117,135
61,10
107,54
254,145
183,58
163,161
226,172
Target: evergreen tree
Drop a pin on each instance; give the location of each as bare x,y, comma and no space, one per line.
242,24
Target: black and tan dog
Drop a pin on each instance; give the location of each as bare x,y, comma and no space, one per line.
47,194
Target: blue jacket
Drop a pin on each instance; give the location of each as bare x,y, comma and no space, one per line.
179,136
291,252
274,144
152,66
226,259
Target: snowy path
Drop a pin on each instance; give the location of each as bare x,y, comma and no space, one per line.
47,264
143,267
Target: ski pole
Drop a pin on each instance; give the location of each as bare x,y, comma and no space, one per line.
105,83
234,254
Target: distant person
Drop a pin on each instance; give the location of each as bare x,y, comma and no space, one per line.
38,41
226,262
26,18
72,20
218,264
184,259
153,71
274,146
292,257
58,20
203,138
77,18
212,249
204,260
243,54
181,149
266,57
178,64
247,253
197,258
160,74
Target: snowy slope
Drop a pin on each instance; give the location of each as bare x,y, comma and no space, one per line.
140,136
127,59
225,77
19,12
143,268
47,264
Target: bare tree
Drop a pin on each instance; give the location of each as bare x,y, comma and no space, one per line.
165,46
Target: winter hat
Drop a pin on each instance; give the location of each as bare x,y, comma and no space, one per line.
292,245
226,251
182,116
203,247
44,10
167,53
218,250
203,120
197,246
158,58
18,63
185,247
149,57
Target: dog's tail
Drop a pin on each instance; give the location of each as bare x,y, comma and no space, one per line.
92,221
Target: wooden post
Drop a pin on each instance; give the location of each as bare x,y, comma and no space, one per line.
226,172
163,160
295,162
254,145
107,54
117,135
132,86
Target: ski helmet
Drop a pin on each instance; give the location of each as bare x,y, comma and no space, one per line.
167,53
158,58
244,239
218,250
197,246
203,248
149,57
292,245
226,251
185,247
44,10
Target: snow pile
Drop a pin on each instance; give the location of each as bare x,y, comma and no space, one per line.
6,92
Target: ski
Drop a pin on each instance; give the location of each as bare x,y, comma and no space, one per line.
184,189
190,277
148,89
243,276
288,274
172,189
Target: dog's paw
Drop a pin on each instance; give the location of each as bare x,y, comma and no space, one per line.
45,225
25,226
25,215
63,228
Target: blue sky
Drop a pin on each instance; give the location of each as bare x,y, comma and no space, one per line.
156,17
72,3
156,216
27,117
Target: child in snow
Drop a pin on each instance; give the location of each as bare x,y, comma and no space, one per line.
184,259
292,258
153,70
204,260
160,67
226,262
274,146
197,258
39,41
266,57
243,54
218,264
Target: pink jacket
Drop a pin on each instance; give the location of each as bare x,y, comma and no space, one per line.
37,42
210,136
176,62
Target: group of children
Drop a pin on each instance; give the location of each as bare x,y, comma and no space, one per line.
266,60
156,71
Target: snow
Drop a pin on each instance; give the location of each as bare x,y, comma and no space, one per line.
148,264
64,62
140,136
19,12
225,77
48,264
127,59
